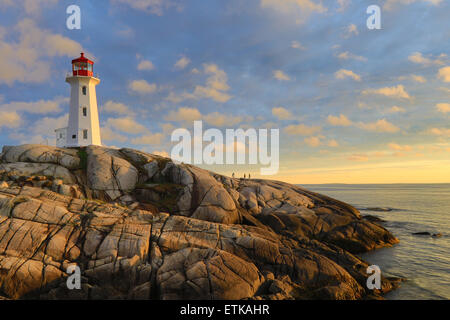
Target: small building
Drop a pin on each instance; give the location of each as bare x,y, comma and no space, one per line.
83,128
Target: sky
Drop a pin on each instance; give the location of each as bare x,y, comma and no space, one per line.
352,105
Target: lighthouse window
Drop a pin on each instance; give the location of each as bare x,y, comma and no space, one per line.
84,112
84,90
85,136
74,136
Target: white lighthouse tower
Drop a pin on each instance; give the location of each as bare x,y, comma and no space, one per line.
83,128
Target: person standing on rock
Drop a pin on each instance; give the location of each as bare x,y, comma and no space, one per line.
244,176
249,176
232,175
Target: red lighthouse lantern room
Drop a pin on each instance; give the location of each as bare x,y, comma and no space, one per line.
83,66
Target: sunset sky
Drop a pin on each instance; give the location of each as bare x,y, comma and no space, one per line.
353,105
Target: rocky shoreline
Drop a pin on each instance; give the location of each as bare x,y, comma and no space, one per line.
140,226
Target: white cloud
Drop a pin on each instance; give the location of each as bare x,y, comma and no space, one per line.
187,116
217,119
348,55
297,45
379,126
145,65
9,119
39,107
440,132
29,59
350,30
184,114
333,143
116,108
395,92
443,107
107,134
150,138
396,109
301,129
216,87
150,6
397,147
341,121
280,75
182,63
300,10
126,124
282,113
343,73
31,7
444,74
343,4
358,157
418,58
313,141
142,87
391,4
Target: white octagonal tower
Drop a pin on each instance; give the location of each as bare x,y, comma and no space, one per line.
83,128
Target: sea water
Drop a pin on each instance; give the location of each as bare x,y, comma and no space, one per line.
407,208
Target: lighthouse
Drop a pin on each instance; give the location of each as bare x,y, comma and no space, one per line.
83,128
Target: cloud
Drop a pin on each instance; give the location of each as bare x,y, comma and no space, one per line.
414,78
350,30
184,115
444,74
358,157
348,55
282,113
29,60
313,141
343,73
297,45
396,109
38,107
418,58
440,132
391,4
299,9
107,134
42,131
31,7
443,107
216,87
395,92
301,129
280,75
343,4
142,87
220,120
379,126
156,7
116,108
127,125
182,63
188,115
145,65
333,143
9,119
397,147
341,121
153,139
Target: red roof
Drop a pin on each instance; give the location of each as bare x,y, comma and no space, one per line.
82,58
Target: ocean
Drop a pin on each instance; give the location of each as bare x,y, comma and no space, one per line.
407,208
